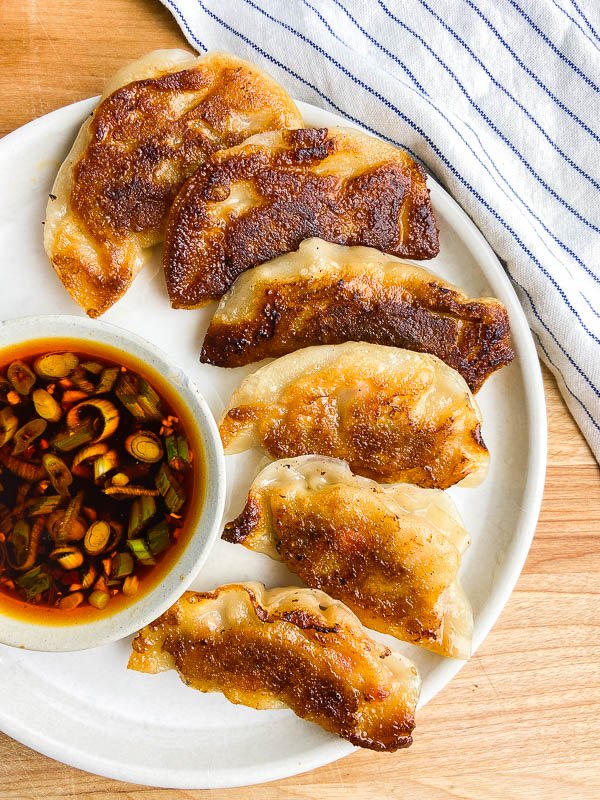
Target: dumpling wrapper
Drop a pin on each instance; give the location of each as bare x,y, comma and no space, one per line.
271,648
253,202
158,119
393,415
390,553
327,293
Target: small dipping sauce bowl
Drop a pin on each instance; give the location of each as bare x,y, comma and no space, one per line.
51,627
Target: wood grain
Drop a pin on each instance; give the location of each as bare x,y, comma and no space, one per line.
522,719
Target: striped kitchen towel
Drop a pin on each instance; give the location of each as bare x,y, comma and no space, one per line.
498,98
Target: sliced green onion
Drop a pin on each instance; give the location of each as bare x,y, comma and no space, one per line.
35,582
97,537
81,381
19,538
8,425
150,401
143,509
63,530
55,365
21,377
109,416
58,472
178,452
98,599
46,406
139,398
170,488
107,380
34,544
71,601
27,434
22,469
122,565
92,366
89,452
68,557
89,577
127,392
44,505
140,550
158,538
183,449
105,464
71,439
144,446
131,584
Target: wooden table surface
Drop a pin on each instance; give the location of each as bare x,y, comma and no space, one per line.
522,719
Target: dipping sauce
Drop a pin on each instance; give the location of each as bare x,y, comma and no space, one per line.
98,472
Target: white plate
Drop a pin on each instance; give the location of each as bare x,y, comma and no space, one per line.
85,708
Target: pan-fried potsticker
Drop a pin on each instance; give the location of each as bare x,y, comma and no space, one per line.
158,120
393,415
327,293
390,553
253,202
271,648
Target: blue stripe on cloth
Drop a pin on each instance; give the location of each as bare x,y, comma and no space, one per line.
571,361
323,20
553,47
585,19
383,49
176,10
555,367
454,171
531,74
496,83
577,25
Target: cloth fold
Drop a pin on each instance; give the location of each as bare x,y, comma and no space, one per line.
499,99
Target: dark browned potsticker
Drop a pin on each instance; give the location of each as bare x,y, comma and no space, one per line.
327,294
265,652
144,140
250,204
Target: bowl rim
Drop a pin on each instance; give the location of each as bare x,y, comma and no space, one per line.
54,637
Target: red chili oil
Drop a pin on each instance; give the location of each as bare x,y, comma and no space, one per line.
66,585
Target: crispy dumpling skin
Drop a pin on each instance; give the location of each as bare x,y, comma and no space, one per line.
158,120
256,201
390,553
327,293
286,647
393,415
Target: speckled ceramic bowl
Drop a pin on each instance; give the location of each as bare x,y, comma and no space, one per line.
63,630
